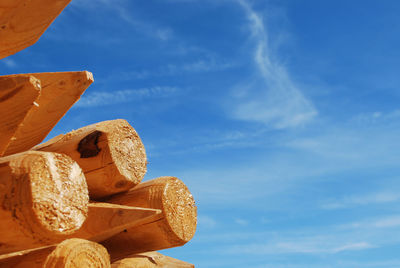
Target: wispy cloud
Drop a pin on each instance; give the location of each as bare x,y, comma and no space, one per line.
375,223
123,96
376,117
242,222
361,200
123,12
205,64
202,65
204,221
307,245
272,98
9,63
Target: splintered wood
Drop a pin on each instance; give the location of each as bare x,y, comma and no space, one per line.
77,200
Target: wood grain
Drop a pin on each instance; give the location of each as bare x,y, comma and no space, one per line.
71,253
59,91
17,98
151,259
177,223
22,22
106,220
44,199
110,153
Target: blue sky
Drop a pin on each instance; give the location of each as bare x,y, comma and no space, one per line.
282,117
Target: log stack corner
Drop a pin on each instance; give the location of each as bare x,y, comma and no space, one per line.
77,200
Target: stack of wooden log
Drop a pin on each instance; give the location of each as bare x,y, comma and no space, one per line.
76,200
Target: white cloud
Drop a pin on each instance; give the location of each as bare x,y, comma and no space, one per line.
360,200
272,98
305,245
209,64
241,222
206,64
393,221
123,12
377,223
123,96
9,63
206,221
376,117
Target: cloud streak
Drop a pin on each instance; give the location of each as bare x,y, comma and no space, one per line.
124,96
304,245
9,63
272,97
123,12
361,200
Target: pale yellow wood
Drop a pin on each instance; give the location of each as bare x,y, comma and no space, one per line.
17,98
151,259
76,253
22,22
71,253
110,153
29,258
106,220
59,92
44,199
177,223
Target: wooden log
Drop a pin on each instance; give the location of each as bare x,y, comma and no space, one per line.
71,253
175,227
59,92
151,259
44,199
78,253
22,22
106,220
110,153
17,98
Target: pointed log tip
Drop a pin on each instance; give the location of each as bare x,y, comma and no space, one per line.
89,76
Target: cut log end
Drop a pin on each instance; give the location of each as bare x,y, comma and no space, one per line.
179,208
77,253
175,226
128,153
110,153
56,198
151,260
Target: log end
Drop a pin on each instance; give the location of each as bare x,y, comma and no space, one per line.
128,154
55,196
150,260
179,208
74,253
